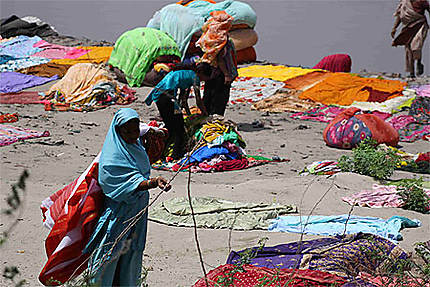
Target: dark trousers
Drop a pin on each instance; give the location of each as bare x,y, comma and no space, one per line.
174,124
216,95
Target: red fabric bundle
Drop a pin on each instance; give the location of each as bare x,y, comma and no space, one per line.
335,63
72,213
246,55
253,276
349,128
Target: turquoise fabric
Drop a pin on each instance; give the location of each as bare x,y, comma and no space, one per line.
182,79
335,225
167,20
194,15
240,11
122,167
129,274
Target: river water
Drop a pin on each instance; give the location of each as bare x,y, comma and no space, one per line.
294,32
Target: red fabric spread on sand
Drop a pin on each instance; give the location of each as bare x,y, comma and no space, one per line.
72,212
335,63
283,277
20,98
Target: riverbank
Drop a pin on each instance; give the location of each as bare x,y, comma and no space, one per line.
170,254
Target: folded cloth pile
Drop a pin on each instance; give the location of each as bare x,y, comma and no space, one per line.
86,86
218,146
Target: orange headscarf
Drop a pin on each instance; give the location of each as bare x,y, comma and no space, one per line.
215,35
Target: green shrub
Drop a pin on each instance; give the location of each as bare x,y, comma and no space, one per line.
368,159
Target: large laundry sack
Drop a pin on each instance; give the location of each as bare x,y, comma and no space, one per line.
246,55
243,38
181,22
351,126
137,49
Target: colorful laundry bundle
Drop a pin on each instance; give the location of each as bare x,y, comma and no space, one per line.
250,276
379,196
344,224
9,118
323,167
137,49
70,214
218,213
352,126
344,89
10,134
250,90
12,82
344,256
86,86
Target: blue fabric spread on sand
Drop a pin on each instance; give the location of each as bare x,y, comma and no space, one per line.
335,225
21,46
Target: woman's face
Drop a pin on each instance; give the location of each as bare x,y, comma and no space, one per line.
129,131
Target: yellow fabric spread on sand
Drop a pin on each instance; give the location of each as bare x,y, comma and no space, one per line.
77,84
344,89
277,73
95,55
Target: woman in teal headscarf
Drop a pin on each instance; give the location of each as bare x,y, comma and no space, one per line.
124,171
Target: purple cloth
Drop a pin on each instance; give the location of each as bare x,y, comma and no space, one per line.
423,91
342,255
12,82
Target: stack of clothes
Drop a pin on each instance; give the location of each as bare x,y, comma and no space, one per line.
217,146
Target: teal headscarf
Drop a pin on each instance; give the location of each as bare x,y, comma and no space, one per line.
122,166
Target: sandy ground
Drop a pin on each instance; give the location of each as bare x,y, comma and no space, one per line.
170,252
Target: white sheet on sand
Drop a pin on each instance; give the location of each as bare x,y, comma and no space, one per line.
391,106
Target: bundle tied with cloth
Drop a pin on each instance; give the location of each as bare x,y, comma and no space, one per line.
193,16
86,86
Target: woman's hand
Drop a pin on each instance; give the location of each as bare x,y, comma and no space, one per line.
162,183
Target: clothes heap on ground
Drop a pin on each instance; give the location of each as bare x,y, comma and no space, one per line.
214,145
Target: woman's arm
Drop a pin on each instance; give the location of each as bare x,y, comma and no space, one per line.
154,182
